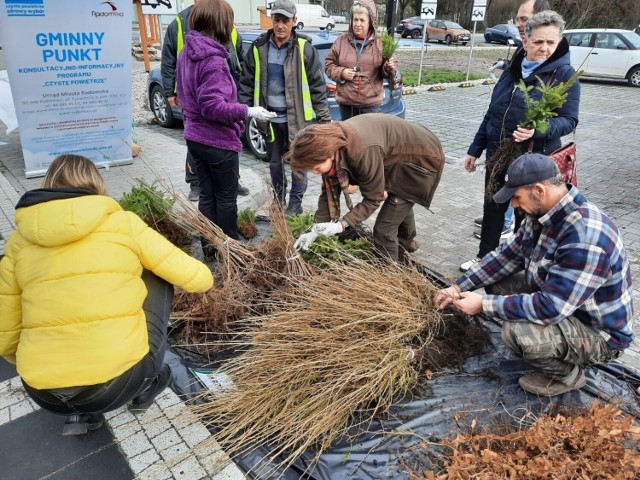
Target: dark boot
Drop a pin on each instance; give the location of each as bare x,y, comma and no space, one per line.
145,399
242,190
80,424
293,209
194,193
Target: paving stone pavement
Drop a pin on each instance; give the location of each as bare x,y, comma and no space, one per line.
609,175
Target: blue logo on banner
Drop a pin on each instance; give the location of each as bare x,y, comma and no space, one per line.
24,8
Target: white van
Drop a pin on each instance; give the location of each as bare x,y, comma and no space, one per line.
313,16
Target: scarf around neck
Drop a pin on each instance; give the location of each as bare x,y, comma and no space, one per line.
336,181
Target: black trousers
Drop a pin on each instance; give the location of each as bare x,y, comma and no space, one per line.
218,175
190,173
347,111
118,391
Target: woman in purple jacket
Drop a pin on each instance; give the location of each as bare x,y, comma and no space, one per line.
213,119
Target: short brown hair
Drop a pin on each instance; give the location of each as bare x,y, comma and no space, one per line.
213,18
74,171
314,144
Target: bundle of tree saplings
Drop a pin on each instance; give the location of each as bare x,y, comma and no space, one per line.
154,206
334,351
245,279
600,442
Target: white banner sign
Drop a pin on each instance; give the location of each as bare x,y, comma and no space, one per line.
478,11
69,66
428,10
159,7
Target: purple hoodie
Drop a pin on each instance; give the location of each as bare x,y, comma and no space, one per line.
207,94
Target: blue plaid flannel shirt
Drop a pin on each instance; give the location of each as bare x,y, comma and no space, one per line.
575,262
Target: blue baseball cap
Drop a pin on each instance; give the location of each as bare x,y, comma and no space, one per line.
525,170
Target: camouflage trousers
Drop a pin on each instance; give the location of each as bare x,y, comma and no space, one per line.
556,351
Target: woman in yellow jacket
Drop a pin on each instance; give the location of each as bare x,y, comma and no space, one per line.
72,290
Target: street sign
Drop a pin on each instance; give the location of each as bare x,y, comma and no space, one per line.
269,5
428,9
158,7
478,11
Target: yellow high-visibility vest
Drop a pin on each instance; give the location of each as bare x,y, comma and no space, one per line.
234,41
306,92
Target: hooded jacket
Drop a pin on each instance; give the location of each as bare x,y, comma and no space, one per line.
207,93
366,89
385,153
71,292
506,109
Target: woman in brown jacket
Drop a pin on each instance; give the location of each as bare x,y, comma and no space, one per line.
356,64
392,160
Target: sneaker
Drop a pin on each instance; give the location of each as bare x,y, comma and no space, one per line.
242,190
540,385
293,209
194,194
478,222
411,246
468,264
145,399
81,423
506,233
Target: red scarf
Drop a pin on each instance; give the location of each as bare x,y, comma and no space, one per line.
336,181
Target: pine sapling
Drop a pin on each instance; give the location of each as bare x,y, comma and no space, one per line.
538,111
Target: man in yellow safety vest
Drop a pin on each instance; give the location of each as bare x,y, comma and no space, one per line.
282,73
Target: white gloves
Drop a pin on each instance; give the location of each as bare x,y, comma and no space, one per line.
328,229
261,114
305,240
325,229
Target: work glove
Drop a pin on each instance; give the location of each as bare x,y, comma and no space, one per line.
330,228
261,114
305,240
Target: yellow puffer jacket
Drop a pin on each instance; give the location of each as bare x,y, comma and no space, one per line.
71,292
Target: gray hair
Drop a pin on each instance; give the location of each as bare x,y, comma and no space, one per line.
357,8
544,19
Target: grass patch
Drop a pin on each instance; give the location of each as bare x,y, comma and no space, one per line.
436,75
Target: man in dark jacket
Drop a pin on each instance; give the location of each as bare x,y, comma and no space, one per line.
173,43
283,74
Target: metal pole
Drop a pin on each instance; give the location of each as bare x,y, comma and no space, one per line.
391,6
422,50
473,38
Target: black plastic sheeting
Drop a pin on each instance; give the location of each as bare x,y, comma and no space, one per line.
487,391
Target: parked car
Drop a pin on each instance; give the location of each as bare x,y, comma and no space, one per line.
393,102
440,30
313,16
448,32
410,27
502,34
606,53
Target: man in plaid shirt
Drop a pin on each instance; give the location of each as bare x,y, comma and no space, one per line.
561,284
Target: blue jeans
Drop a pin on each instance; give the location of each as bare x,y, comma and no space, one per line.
347,111
275,151
508,217
218,178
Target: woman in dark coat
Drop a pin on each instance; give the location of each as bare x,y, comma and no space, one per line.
546,61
